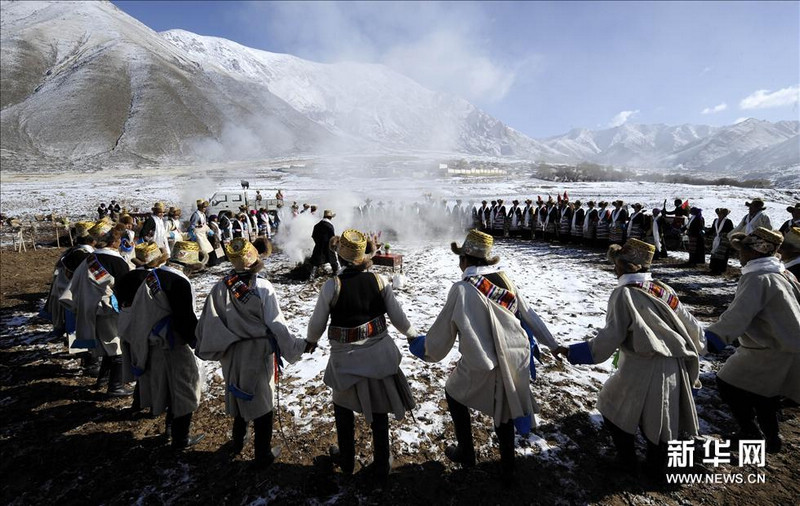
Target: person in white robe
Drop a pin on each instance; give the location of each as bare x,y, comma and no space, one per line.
363,370
154,229
755,217
765,318
497,333
243,327
659,345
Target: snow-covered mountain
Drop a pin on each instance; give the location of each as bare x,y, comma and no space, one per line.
362,101
749,146
84,81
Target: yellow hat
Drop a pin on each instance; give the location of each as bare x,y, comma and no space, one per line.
792,238
187,253
634,251
242,254
352,245
158,207
762,240
100,229
82,228
149,254
478,245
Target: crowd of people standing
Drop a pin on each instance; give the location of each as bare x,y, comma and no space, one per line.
142,325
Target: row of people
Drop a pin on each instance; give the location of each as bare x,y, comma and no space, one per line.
242,326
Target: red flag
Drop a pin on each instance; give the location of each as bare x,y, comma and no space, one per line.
685,205
566,197
559,197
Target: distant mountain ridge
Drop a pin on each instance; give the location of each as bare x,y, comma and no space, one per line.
85,81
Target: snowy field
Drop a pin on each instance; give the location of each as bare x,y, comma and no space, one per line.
567,286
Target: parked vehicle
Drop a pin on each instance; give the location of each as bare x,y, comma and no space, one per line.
232,200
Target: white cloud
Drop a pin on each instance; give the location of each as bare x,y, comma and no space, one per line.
705,70
446,60
739,120
713,110
763,99
622,118
444,49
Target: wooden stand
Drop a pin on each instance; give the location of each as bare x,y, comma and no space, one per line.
389,260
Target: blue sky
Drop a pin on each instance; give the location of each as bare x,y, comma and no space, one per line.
541,67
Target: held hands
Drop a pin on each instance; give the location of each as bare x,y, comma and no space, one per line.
310,347
561,350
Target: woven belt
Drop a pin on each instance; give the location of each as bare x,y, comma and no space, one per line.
352,334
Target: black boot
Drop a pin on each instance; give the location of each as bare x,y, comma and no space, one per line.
116,388
103,372
505,436
241,434
626,446
90,364
168,423
262,441
464,453
381,454
656,466
180,433
345,454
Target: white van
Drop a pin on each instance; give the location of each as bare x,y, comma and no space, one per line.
232,200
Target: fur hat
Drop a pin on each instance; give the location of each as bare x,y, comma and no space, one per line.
351,246
633,251
158,207
201,203
100,229
577,204
188,253
327,213
242,254
82,228
148,254
174,211
757,202
794,209
791,241
722,210
478,245
762,240
620,203
637,206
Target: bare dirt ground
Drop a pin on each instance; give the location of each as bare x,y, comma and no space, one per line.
64,442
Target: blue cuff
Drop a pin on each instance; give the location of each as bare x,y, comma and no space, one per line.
714,343
69,321
239,393
417,347
580,354
114,303
83,344
523,424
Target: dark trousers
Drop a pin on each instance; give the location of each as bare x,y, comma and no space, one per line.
462,425
345,433
625,444
262,437
180,429
746,407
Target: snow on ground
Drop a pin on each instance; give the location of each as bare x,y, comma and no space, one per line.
568,287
